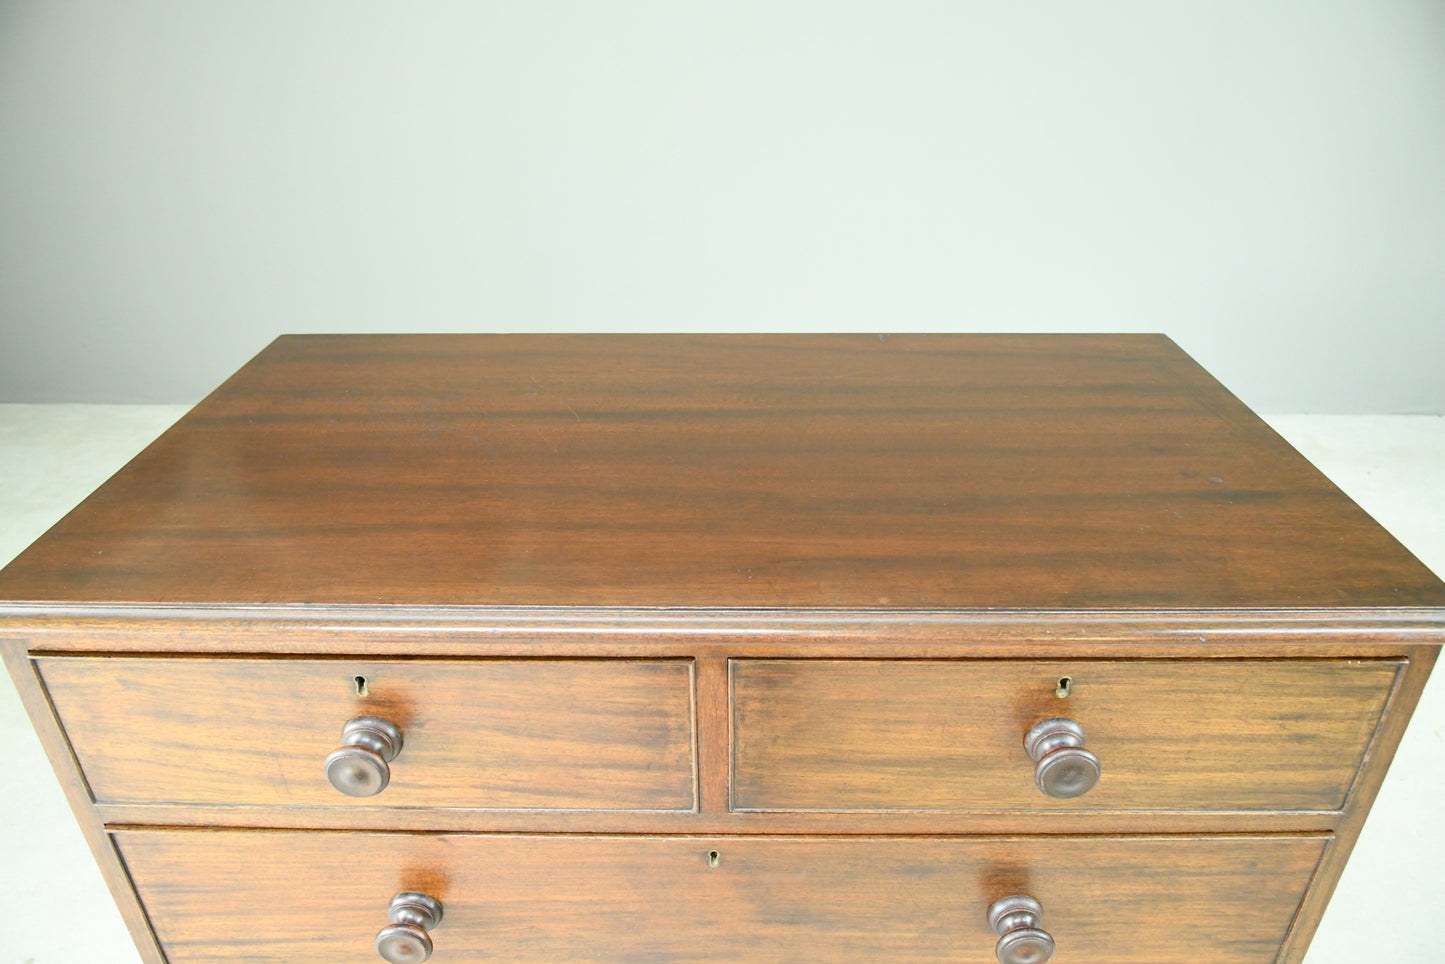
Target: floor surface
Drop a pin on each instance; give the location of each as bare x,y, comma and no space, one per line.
1390,906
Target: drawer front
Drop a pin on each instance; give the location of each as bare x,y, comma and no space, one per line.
297,898
949,735
486,734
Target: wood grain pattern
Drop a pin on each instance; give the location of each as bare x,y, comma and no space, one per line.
531,734
580,631
77,795
788,822
1347,832
920,472
295,898
934,735
641,584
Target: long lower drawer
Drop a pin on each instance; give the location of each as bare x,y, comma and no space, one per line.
268,897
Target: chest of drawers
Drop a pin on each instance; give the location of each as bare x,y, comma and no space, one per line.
722,648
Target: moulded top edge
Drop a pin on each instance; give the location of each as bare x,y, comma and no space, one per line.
1199,624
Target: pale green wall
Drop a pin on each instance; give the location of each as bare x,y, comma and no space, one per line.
1264,181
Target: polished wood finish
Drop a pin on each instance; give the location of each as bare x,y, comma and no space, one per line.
407,939
842,472
1064,767
1019,922
644,633
77,795
1347,830
720,648
1159,900
934,735
487,734
359,767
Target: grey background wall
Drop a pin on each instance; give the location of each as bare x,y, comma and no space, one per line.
1263,180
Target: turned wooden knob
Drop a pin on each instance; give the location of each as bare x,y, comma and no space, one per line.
1062,767
1021,939
359,768
405,940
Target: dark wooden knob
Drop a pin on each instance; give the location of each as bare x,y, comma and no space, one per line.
405,940
1021,939
359,768
1062,767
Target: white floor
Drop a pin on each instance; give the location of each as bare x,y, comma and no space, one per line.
1389,907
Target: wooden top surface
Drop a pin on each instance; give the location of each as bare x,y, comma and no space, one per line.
938,472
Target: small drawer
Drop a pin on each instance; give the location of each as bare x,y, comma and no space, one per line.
1176,735
303,898
474,734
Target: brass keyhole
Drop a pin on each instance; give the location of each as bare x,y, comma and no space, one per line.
713,858
360,682
1066,686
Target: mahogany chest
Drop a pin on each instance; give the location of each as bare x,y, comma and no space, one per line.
947,648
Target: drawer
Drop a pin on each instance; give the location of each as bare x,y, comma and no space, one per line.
296,898
949,735
485,734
